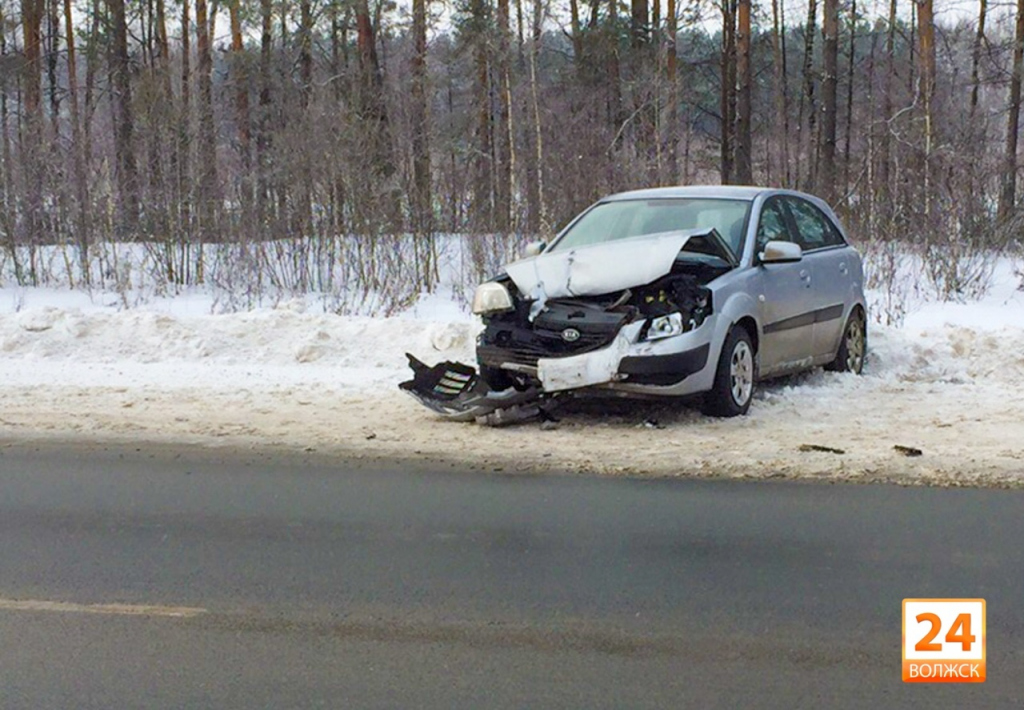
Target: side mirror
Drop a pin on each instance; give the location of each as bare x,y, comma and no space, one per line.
535,248
780,253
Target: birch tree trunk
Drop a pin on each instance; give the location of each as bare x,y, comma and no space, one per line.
830,83
83,227
979,40
638,24
538,213
887,105
613,77
503,142
806,132
184,143
208,184
926,90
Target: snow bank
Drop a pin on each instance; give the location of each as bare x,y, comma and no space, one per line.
52,346
72,365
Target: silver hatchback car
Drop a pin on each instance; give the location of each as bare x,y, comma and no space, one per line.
668,292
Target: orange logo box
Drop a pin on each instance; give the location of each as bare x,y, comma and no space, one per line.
944,640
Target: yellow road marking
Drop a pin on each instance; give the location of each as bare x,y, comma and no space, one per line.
178,612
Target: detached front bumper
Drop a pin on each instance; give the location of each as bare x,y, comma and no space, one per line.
457,392
667,367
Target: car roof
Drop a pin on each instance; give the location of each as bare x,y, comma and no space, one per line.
736,192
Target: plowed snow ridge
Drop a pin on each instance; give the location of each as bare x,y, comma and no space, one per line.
947,383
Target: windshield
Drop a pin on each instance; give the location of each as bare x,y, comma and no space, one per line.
621,219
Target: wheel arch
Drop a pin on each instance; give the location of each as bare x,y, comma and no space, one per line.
740,309
861,312
750,325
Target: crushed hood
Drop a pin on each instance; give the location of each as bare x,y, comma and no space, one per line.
598,269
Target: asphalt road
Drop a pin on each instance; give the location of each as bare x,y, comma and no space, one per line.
310,583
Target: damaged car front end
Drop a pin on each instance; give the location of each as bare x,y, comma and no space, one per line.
565,331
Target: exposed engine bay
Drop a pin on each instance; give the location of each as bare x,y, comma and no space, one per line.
511,344
521,338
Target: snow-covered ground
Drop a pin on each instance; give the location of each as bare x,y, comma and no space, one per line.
947,382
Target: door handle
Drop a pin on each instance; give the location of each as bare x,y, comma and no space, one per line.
843,269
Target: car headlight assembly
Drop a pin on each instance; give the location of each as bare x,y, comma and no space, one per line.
665,326
492,297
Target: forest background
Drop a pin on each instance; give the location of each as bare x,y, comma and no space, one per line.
343,146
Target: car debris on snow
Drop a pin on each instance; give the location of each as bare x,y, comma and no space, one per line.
455,391
818,447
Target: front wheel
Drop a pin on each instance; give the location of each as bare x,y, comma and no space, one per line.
850,356
734,378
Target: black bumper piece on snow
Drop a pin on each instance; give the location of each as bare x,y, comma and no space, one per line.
457,392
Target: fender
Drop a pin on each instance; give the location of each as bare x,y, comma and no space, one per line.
738,305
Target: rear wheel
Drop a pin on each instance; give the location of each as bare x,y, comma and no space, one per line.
850,356
735,377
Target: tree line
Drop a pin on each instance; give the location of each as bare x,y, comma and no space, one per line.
184,123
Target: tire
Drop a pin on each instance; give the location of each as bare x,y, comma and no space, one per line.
852,347
735,377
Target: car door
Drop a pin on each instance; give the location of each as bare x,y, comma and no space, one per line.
828,259
784,300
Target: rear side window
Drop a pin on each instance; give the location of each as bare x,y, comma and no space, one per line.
814,229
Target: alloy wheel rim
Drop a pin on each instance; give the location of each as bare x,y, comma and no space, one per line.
854,346
741,373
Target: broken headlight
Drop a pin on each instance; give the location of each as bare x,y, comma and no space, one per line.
665,326
491,297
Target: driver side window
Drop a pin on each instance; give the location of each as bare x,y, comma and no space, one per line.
772,226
